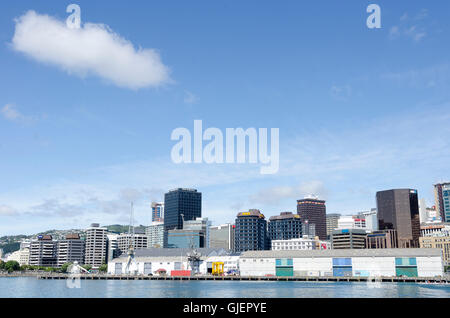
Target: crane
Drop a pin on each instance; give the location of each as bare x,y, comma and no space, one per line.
131,265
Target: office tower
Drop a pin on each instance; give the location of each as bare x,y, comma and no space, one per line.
332,222
157,211
155,233
382,239
398,209
43,251
442,197
314,210
222,236
124,240
351,222
70,250
423,217
195,234
96,246
348,238
370,218
251,231
308,229
285,226
113,246
181,204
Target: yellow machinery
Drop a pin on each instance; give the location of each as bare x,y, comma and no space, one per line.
217,268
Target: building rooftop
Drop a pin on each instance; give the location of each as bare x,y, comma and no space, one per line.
251,212
284,216
382,252
177,252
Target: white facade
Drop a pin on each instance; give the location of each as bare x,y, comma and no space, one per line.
155,233
304,243
365,263
351,222
96,246
21,256
257,267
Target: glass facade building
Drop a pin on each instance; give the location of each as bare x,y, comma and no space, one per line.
442,197
251,232
398,209
314,211
285,226
181,204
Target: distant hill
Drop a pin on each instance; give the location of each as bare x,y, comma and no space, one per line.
11,243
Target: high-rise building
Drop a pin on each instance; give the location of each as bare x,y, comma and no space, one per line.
124,240
157,211
285,226
398,209
70,250
442,197
113,246
222,236
371,219
351,222
43,251
96,246
181,204
195,233
251,231
155,233
314,210
332,222
437,236
348,238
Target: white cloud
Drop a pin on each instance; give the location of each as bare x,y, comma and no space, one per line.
10,112
7,210
93,49
410,27
341,92
190,98
273,195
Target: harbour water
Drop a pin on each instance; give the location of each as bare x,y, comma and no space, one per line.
31,287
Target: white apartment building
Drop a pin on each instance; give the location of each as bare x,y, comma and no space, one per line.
96,246
304,243
21,256
124,240
155,233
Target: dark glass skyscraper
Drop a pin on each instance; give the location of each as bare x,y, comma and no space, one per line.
186,202
398,209
314,211
251,231
285,226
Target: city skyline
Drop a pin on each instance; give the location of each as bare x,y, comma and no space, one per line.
359,110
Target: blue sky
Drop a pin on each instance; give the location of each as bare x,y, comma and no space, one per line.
359,110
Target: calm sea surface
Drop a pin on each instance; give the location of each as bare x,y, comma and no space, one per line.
33,287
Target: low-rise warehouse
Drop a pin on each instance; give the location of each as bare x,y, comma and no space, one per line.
174,261
411,262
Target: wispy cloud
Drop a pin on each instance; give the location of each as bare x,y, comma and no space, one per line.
190,98
346,167
93,49
341,93
412,27
273,195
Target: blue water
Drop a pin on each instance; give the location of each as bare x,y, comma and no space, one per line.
33,287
